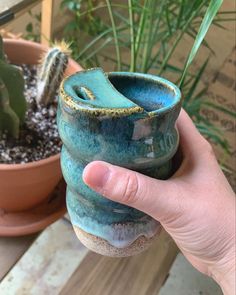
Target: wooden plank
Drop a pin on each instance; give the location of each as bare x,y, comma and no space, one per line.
141,274
46,24
11,249
15,5
48,264
12,9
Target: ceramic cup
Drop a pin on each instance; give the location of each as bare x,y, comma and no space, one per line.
127,119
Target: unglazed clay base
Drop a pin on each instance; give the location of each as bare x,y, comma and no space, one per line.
102,247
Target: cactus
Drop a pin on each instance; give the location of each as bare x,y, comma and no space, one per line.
51,72
12,99
8,119
2,54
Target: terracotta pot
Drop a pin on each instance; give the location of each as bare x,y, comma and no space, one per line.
23,186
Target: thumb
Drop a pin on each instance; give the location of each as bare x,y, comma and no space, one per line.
157,198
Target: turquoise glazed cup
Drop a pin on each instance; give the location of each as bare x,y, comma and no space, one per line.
127,119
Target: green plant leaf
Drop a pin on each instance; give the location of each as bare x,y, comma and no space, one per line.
132,35
213,134
197,79
114,29
180,36
220,108
29,27
206,22
99,48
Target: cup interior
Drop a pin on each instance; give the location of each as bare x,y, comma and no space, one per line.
150,92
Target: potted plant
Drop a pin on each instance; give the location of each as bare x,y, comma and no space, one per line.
29,171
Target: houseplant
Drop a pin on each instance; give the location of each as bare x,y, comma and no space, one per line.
144,36
24,186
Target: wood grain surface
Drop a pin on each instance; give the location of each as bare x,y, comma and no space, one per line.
48,264
11,249
140,274
47,23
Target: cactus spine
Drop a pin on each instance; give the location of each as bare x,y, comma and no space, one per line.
12,99
51,72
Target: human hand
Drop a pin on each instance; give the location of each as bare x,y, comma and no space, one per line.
196,206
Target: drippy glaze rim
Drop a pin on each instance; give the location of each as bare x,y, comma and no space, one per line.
74,105
71,104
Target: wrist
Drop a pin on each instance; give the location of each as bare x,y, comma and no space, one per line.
225,277
228,284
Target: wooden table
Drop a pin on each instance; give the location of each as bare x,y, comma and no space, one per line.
55,262
12,9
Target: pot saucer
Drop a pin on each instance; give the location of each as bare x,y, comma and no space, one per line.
37,218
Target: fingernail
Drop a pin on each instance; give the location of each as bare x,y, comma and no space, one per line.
96,175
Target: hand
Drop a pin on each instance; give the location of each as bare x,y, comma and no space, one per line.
196,206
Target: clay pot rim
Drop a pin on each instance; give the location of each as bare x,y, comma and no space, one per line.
33,164
23,41
35,45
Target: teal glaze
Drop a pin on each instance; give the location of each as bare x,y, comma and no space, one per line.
90,84
127,119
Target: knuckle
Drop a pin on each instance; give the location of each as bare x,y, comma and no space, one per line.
131,189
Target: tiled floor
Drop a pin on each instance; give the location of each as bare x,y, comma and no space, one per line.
185,280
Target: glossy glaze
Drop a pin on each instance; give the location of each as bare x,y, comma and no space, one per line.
127,119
